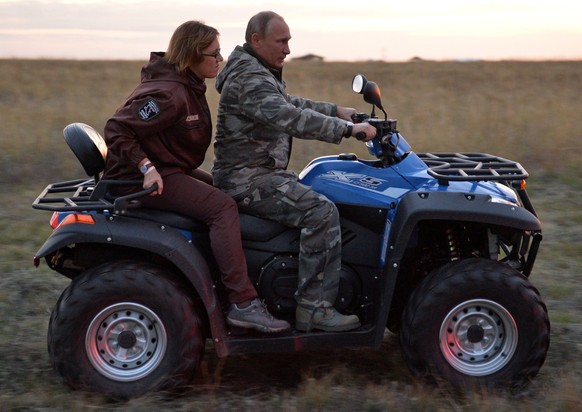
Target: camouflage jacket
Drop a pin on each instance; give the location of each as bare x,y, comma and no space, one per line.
257,121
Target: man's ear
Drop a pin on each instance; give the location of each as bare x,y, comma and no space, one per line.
255,40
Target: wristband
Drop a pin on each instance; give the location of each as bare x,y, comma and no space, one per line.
349,129
144,168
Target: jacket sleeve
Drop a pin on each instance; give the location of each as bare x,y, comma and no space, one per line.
328,109
262,100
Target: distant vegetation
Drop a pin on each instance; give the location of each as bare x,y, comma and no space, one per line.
526,111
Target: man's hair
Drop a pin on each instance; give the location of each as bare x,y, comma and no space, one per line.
188,42
259,24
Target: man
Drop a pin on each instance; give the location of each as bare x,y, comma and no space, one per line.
256,122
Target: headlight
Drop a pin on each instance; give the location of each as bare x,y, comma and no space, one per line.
494,199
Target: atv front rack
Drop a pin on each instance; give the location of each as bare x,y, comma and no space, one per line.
462,167
85,195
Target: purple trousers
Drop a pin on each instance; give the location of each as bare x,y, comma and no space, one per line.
194,197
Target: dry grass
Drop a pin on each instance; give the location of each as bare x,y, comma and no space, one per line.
521,110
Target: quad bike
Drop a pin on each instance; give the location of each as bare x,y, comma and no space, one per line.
436,247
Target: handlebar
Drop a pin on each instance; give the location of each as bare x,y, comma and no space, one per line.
360,118
360,136
121,204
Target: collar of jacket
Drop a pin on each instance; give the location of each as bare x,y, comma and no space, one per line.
278,73
197,84
158,69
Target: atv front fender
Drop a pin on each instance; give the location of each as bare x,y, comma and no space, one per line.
418,206
154,238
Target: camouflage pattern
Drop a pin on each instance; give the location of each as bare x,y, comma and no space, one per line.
279,196
257,120
256,123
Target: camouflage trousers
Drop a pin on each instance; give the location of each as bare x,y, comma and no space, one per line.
280,197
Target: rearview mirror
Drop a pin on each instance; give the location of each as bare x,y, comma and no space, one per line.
370,90
358,83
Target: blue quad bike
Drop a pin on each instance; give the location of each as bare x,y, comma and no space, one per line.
436,247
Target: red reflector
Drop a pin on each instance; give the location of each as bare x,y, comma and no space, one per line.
54,222
77,218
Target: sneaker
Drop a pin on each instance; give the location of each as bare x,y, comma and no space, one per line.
326,319
255,316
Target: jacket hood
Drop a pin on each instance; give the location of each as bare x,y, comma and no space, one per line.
238,61
243,60
158,69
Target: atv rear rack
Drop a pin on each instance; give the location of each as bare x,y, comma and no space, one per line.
85,195
463,167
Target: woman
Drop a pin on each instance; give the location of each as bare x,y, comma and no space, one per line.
162,133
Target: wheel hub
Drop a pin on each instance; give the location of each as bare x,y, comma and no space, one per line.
478,337
126,339
475,334
126,342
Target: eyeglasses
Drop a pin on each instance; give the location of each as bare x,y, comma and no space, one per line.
215,54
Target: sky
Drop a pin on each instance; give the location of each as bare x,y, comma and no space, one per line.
338,30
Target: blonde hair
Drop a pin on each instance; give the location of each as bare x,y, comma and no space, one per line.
188,42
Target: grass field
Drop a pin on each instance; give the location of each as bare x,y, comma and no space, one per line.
526,111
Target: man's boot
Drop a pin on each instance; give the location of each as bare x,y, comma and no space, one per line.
326,319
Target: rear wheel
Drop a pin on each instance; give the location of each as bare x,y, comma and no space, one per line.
124,329
476,323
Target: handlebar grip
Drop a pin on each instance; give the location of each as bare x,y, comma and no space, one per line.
360,136
151,188
122,203
359,117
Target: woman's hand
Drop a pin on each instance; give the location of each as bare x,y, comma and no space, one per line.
152,177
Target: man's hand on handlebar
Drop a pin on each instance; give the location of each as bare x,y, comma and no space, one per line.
345,113
364,131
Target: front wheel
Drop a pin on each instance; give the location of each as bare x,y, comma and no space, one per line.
476,323
124,329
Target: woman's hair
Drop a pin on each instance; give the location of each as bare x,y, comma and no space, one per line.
259,24
188,42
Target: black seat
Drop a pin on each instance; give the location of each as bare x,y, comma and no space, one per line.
259,229
89,147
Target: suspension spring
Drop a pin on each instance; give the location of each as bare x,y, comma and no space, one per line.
453,245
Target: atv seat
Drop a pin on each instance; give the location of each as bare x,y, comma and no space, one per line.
252,228
90,149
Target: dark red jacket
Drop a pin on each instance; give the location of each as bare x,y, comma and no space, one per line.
165,119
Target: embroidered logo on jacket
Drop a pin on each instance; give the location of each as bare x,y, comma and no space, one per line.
192,118
149,110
